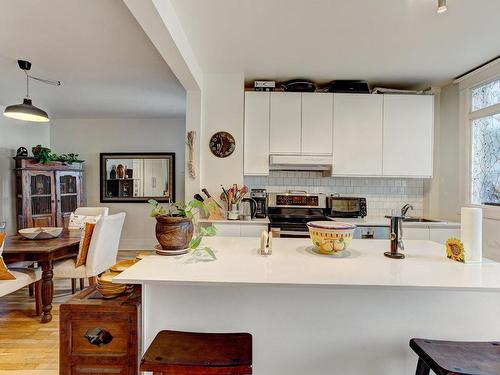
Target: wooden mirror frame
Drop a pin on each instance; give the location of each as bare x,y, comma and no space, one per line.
136,155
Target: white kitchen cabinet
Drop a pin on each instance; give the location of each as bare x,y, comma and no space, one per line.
227,230
236,228
415,233
408,135
285,123
442,234
317,121
256,140
251,230
436,234
154,178
357,134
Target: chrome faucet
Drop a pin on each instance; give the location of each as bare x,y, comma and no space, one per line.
405,209
396,234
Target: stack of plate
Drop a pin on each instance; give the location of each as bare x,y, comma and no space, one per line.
107,288
123,265
105,282
143,254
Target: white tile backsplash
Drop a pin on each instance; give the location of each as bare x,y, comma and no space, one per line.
382,194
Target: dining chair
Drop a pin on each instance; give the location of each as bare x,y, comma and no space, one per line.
87,211
92,211
23,277
103,250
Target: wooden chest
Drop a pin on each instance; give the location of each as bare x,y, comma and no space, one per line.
100,336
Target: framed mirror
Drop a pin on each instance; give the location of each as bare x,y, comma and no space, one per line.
137,177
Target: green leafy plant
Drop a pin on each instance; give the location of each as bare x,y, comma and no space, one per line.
187,210
45,155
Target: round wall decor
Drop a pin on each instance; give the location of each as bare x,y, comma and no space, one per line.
222,144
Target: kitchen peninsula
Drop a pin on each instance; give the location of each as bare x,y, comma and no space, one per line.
349,313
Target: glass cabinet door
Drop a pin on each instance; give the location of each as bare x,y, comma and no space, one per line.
68,195
41,199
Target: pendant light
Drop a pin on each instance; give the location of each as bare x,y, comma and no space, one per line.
26,111
442,6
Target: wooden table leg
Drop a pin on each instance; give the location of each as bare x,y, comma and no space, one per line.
47,291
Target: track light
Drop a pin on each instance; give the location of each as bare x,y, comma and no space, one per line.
26,111
442,6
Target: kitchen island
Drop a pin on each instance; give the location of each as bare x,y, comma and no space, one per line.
350,313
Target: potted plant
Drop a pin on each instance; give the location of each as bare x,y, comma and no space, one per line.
175,226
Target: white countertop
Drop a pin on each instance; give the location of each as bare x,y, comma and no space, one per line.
264,221
294,262
377,221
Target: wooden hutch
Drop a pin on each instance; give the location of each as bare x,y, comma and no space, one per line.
46,194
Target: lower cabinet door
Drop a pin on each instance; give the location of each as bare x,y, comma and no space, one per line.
415,233
442,234
252,230
227,230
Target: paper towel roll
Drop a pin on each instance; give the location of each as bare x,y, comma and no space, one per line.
471,234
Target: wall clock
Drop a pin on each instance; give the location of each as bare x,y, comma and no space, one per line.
222,144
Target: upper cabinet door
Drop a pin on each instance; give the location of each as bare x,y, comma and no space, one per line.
317,118
285,125
357,134
408,135
256,148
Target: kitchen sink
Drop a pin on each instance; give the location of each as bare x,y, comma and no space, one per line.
421,220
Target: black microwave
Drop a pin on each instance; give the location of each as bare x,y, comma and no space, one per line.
346,206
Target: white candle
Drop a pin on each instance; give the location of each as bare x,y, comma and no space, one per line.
472,234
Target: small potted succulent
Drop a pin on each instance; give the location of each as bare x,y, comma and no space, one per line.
175,226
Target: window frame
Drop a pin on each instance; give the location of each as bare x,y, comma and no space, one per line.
467,116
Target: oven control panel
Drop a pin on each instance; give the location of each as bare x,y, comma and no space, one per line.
297,200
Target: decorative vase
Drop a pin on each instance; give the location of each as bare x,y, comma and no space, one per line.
174,232
120,171
112,174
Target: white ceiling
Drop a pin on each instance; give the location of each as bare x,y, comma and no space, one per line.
399,42
108,66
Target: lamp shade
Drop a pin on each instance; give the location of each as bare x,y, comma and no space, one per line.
26,111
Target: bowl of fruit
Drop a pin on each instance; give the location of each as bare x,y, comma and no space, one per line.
330,237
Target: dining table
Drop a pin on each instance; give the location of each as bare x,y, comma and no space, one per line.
44,253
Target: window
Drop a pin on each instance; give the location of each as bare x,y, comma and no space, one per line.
485,143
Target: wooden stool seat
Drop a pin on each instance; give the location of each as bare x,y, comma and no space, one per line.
173,352
455,357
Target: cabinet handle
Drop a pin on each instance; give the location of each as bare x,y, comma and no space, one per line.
98,336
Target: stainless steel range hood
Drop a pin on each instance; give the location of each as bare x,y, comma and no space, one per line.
300,163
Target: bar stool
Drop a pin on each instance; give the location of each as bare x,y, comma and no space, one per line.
190,353
455,357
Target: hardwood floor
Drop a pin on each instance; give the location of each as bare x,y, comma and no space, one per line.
28,347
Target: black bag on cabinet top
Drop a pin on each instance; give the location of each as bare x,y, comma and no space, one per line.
349,86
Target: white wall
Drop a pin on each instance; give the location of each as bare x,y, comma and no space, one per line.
451,148
89,137
222,110
13,134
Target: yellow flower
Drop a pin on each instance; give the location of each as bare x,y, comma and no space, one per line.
455,249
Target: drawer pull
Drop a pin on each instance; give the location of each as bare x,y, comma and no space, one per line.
98,336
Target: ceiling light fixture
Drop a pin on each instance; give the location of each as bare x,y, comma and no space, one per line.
26,111
442,6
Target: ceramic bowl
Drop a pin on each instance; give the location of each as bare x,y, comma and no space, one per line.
330,237
41,233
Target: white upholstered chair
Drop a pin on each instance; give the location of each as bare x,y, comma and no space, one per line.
92,211
102,254
88,211
23,277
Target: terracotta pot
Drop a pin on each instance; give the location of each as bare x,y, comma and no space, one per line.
174,233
